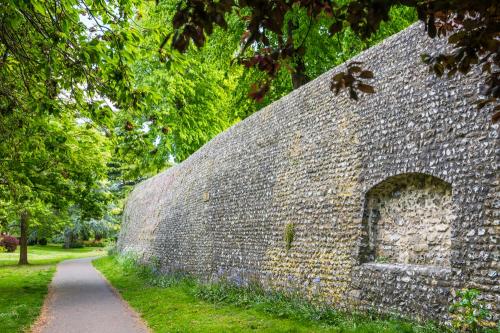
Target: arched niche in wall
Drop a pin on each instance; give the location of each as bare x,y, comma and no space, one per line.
407,220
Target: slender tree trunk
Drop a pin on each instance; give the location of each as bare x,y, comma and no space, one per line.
23,253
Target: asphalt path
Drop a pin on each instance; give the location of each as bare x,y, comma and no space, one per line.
80,300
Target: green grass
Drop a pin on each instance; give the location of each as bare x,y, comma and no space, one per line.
49,254
173,304
23,288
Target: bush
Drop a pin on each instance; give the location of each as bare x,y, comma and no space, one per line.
2,249
42,241
9,242
58,239
74,245
94,243
33,238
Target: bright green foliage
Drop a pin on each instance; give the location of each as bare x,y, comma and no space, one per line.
49,163
65,56
191,97
196,95
323,52
49,159
62,63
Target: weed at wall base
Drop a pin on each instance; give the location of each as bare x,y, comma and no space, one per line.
275,303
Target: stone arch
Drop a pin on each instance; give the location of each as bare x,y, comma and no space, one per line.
407,220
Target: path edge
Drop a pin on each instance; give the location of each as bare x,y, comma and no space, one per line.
44,315
137,317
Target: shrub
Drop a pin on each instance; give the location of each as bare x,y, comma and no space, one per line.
94,243
2,249
33,238
58,239
42,241
9,242
74,245
32,241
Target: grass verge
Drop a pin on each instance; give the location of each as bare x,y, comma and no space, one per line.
23,288
181,304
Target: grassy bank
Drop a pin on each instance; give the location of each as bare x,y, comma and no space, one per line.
173,304
23,288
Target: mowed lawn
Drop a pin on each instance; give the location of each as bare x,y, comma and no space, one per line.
23,288
176,308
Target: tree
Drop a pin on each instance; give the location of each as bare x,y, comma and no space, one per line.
201,92
63,63
190,98
270,40
322,53
47,164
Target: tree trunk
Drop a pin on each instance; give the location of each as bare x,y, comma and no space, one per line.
23,244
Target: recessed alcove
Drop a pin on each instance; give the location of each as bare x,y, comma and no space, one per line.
407,220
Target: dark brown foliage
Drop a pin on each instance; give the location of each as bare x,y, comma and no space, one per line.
352,79
472,28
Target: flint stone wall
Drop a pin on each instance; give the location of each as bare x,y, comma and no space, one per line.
417,151
408,219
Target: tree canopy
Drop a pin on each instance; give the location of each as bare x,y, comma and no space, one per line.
62,63
275,35
202,91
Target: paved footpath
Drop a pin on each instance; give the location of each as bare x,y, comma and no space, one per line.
82,301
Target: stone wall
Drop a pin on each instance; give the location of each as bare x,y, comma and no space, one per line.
408,219
393,200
